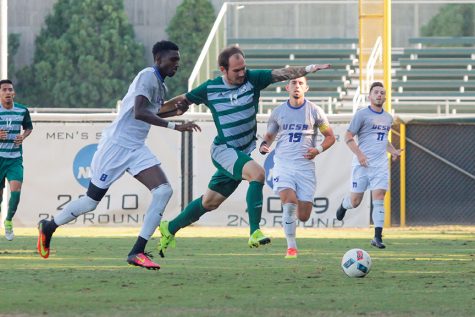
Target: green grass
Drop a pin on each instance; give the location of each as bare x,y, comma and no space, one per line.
423,272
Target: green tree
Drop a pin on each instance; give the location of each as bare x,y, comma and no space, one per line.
452,20
13,45
189,29
85,56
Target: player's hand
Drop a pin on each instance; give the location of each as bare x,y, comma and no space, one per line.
3,135
181,108
363,160
311,153
18,139
264,148
188,127
316,67
396,154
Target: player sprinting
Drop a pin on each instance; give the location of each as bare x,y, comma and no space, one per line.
233,100
13,118
295,125
370,164
122,149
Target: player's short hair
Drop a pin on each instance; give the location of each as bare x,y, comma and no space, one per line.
223,58
376,84
5,81
162,47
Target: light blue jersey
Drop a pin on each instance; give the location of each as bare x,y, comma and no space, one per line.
296,130
372,129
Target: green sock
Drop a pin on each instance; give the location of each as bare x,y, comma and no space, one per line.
12,205
254,204
190,214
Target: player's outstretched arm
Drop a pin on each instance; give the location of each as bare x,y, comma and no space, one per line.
174,107
296,71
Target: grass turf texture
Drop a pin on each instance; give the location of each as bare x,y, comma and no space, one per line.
212,272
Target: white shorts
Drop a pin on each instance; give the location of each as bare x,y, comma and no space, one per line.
301,180
364,178
111,161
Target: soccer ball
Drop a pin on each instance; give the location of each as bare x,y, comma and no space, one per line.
356,263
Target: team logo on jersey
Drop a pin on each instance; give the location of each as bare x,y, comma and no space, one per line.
269,167
82,164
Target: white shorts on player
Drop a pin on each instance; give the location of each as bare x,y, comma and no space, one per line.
111,161
364,178
301,180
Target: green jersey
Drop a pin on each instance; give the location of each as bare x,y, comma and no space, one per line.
234,108
13,120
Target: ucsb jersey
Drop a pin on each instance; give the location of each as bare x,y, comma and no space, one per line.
372,129
125,130
296,130
13,120
234,108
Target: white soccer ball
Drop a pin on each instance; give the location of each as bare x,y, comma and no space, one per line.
356,263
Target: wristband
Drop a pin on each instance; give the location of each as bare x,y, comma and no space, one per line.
171,125
309,68
319,149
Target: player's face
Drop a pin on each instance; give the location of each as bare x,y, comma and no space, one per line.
377,97
236,73
297,87
6,94
169,63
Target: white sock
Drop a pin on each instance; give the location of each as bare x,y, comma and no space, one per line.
346,203
160,197
74,209
378,213
290,224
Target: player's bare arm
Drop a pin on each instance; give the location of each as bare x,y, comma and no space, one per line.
395,153
144,114
350,141
174,107
296,72
21,137
328,141
264,148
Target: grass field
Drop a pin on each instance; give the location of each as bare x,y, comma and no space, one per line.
212,272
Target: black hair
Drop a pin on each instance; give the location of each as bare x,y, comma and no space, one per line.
162,47
223,58
376,84
6,81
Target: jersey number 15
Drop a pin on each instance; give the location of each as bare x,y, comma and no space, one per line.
295,137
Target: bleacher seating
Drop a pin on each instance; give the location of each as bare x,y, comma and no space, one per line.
436,75
326,86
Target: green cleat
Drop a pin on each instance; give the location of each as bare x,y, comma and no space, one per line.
166,240
257,238
9,230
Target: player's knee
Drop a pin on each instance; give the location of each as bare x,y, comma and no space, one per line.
259,175
163,192
355,201
210,204
304,217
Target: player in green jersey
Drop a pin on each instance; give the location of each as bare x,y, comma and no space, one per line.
233,101
13,118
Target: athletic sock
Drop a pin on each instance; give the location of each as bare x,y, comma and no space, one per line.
290,224
378,213
139,246
190,214
254,204
12,205
346,203
378,233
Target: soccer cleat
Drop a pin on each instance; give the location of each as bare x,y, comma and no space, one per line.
291,253
378,243
166,240
9,230
143,260
44,239
340,213
257,238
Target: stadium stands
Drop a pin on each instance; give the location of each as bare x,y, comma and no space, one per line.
436,76
327,87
